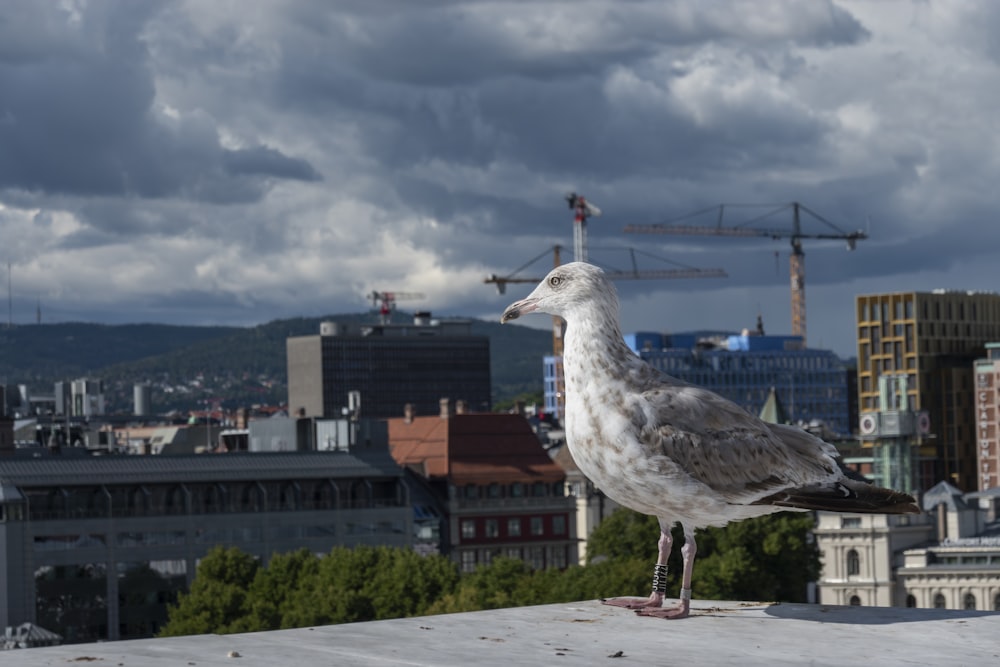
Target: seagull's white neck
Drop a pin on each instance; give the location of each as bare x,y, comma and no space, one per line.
593,345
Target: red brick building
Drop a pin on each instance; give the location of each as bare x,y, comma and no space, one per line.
502,492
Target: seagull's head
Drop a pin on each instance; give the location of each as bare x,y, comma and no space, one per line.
565,289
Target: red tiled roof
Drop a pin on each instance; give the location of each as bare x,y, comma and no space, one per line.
480,448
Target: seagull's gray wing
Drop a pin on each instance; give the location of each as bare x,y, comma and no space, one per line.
736,455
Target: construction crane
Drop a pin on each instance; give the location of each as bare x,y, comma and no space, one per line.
386,302
582,210
795,235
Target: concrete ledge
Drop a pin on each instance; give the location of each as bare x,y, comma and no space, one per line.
583,633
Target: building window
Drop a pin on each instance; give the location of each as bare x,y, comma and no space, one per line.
471,491
514,528
996,602
557,557
911,601
855,601
853,563
969,602
516,490
513,552
538,489
536,557
559,525
939,601
537,526
468,529
468,561
850,522
492,528
494,490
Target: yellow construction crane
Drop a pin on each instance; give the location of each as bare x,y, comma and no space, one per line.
795,235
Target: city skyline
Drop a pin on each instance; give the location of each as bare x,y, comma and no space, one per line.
182,162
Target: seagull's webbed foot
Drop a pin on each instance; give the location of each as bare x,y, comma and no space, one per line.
679,610
655,600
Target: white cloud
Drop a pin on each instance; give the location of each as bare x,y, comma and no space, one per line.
244,160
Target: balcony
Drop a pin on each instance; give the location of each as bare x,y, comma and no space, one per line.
581,633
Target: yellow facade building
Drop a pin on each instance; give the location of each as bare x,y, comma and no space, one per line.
932,337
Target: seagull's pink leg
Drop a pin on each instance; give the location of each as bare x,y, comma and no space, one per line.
655,598
683,606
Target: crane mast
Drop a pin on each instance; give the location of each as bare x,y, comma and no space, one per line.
797,260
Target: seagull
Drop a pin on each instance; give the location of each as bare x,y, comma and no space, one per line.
677,451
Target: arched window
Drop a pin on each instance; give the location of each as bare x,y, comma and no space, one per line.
251,500
173,500
288,498
969,602
214,499
855,601
911,601
361,494
853,563
138,501
324,496
939,601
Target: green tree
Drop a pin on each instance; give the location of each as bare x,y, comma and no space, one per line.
769,558
492,586
271,595
217,601
366,583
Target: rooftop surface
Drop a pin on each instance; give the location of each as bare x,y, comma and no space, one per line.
582,633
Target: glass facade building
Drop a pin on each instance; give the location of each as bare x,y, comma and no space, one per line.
811,384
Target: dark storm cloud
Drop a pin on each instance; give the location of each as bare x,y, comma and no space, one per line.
287,156
78,117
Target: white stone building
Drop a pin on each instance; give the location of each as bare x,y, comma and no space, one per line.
948,557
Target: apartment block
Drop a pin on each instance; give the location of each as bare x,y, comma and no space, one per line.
500,490
933,338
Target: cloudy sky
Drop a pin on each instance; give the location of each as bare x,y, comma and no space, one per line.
234,162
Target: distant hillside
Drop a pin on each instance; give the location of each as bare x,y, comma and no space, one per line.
30,353
191,366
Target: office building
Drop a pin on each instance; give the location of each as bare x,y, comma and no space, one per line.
934,338
810,384
385,367
501,492
96,547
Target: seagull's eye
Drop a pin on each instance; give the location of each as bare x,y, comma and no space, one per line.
554,281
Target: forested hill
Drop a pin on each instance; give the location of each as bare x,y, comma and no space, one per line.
231,364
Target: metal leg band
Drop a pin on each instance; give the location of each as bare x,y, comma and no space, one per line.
686,594
660,578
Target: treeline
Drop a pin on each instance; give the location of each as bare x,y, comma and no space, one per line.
772,558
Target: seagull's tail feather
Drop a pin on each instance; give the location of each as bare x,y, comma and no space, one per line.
848,495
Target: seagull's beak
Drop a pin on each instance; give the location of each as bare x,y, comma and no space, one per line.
518,308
